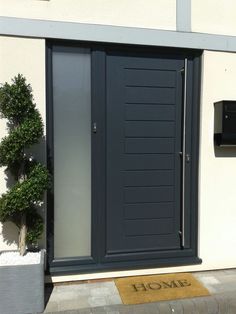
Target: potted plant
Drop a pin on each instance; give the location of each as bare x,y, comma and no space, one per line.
22,272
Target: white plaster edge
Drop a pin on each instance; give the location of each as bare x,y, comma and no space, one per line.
127,273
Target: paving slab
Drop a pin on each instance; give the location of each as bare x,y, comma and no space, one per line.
104,298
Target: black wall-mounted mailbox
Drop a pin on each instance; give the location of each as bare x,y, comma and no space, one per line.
225,123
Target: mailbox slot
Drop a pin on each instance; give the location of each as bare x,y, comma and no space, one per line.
225,123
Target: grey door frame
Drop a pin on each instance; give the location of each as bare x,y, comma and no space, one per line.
95,263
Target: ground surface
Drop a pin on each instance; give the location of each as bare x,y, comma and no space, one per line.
103,298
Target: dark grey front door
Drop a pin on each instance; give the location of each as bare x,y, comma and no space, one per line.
140,155
131,140
144,120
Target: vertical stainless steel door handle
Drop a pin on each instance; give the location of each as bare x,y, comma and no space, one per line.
184,156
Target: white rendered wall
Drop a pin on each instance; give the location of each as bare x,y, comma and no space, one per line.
25,56
217,194
214,16
217,181
159,14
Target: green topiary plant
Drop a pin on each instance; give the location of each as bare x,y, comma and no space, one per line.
25,128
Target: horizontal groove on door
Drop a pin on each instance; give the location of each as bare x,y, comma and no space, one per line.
155,103
147,95
148,194
149,227
148,210
148,178
146,86
150,145
140,161
149,129
149,77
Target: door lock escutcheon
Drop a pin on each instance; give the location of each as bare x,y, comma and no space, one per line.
94,127
187,156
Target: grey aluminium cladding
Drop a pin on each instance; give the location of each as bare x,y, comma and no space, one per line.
11,26
183,15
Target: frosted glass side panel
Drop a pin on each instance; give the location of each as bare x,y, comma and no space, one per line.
72,151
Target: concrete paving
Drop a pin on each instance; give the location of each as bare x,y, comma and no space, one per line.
103,298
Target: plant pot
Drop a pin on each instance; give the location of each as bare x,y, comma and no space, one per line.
22,288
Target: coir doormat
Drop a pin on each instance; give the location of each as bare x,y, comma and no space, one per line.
144,289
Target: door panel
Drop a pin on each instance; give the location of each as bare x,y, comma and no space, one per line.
148,161
144,112
149,95
143,166
149,129
149,77
148,178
